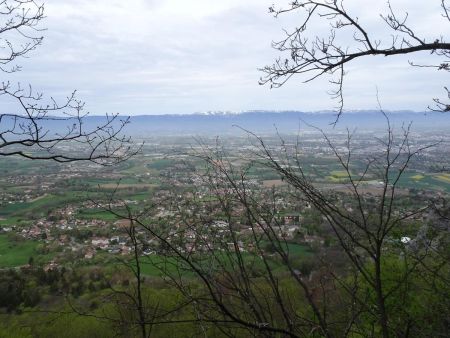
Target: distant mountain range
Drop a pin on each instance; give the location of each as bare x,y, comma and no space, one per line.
218,123
262,122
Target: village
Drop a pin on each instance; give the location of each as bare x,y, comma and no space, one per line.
88,221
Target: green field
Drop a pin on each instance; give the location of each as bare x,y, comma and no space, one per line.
299,249
10,221
339,173
96,214
39,206
408,180
443,177
338,176
20,166
414,180
14,254
162,164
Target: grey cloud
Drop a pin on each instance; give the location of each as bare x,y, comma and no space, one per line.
173,56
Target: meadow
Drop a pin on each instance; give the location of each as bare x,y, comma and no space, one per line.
17,253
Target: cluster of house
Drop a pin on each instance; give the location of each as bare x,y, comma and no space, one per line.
114,245
43,229
216,235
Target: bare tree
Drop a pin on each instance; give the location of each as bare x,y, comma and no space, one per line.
230,237
36,128
132,308
19,30
58,131
364,231
311,56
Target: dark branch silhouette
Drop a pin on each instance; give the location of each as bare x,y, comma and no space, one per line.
20,30
312,56
34,128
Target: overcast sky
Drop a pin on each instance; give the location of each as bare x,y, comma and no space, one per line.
185,56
